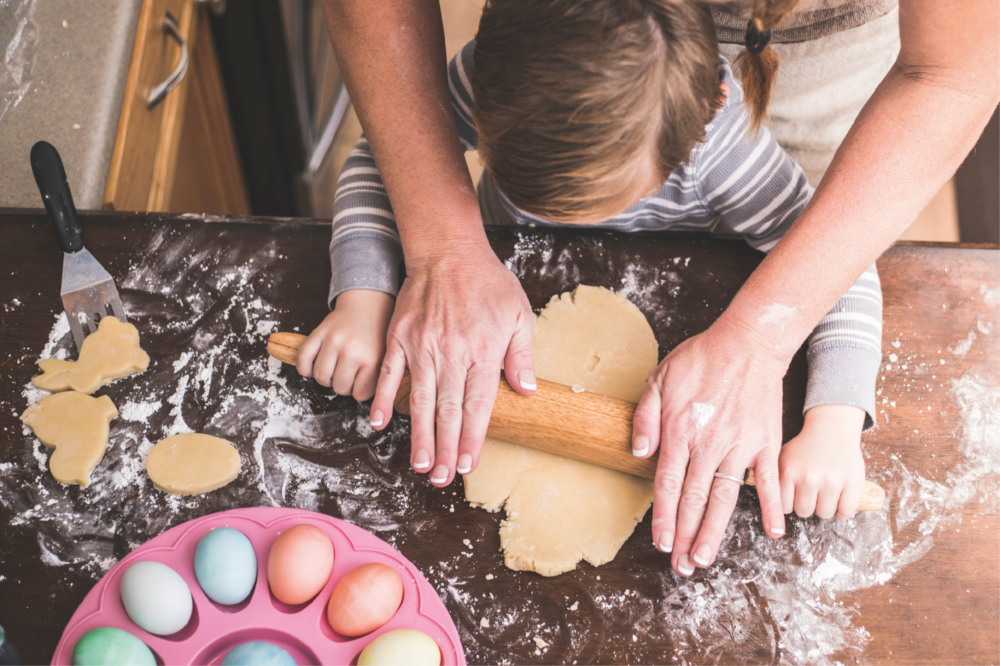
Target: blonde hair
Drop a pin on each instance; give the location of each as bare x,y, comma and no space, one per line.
757,65
573,98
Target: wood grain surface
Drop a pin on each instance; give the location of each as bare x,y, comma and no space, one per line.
940,606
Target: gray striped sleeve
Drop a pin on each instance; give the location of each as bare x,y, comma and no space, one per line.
365,252
460,85
748,179
759,191
845,349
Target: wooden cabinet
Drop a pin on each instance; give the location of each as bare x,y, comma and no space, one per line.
179,155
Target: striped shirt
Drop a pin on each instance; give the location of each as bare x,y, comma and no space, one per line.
745,180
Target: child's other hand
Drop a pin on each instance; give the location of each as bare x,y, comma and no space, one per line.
822,470
345,351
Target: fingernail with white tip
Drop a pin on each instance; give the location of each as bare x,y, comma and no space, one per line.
666,544
421,460
376,418
777,531
703,554
526,378
464,464
640,446
684,568
440,474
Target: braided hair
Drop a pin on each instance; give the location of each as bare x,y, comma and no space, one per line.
757,65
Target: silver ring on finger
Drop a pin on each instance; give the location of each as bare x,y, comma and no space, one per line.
720,475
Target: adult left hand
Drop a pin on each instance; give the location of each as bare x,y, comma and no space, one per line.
712,405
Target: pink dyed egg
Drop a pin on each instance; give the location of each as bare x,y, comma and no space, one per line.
365,599
299,564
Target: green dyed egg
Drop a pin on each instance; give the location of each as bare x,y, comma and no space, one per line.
109,645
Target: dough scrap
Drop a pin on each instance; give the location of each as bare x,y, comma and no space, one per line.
561,511
192,464
110,353
76,426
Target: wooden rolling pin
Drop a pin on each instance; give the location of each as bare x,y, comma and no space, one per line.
584,426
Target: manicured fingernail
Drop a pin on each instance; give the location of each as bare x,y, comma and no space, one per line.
440,474
376,418
422,460
640,446
526,378
777,531
703,554
685,568
666,544
464,464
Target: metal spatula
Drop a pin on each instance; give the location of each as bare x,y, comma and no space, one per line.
88,292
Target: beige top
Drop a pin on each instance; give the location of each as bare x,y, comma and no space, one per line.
810,20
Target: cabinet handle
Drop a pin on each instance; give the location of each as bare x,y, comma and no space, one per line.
158,93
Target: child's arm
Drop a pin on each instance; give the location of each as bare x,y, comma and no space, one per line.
760,192
346,349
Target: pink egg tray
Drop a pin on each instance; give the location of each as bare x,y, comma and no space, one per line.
303,630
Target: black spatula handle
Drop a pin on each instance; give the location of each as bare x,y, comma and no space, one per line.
51,179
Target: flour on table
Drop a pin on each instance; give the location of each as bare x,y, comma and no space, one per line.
188,297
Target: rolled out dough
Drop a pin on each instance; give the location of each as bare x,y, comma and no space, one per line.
110,353
76,426
192,464
561,511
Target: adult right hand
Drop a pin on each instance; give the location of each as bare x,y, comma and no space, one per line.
457,317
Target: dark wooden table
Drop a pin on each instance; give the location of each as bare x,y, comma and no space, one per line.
914,583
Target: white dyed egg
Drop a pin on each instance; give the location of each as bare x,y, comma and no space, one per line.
402,646
226,565
156,598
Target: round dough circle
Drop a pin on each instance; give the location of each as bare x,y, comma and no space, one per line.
559,510
192,464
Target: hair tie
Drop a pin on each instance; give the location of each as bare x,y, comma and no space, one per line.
756,40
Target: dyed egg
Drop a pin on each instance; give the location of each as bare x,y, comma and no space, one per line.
402,646
365,599
109,645
300,563
156,598
258,653
226,566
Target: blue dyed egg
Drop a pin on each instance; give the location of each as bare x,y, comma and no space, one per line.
258,653
226,565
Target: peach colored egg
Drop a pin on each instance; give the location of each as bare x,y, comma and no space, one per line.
299,564
365,599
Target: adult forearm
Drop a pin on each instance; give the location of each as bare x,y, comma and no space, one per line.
908,140
392,56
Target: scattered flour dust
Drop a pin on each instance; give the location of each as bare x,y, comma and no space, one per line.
299,451
702,413
187,293
962,347
777,314
139,411
990,296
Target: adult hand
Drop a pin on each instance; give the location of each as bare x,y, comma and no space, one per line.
712,405
457,318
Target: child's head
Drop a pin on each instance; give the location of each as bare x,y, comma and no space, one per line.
583,107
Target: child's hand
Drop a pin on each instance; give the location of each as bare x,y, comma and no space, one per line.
822,470
345,351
